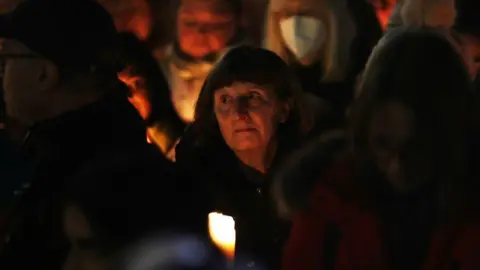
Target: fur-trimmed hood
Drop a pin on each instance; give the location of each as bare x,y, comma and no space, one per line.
294,181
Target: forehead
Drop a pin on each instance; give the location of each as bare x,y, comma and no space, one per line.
238,88
297,4
212,7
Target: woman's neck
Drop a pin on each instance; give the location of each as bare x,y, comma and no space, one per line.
258,158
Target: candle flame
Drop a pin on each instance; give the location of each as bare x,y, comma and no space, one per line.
222,232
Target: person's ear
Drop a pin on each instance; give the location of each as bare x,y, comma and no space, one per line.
48,75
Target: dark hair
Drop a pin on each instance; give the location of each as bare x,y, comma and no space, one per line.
422,69
236,6
126,197
258,66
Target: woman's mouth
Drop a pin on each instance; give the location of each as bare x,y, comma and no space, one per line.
241,130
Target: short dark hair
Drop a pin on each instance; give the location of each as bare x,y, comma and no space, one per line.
258,66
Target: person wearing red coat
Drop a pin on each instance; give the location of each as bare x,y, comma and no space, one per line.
397,191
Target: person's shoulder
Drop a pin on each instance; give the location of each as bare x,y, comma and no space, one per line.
307,169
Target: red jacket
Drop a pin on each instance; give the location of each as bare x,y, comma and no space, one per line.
336,233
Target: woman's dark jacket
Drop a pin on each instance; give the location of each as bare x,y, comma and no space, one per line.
239,191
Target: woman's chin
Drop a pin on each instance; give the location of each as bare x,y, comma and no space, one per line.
246,145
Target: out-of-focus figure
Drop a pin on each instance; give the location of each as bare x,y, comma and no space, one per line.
131,16
433,13
250,115
442,15
326,42
206,29
150,93
384,9
399,193
121,213
61,82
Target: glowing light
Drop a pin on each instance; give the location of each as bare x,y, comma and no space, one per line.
222,232
139,97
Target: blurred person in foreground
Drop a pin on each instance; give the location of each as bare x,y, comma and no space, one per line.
249,116
206,29
150,93
116,217
61,81
398,194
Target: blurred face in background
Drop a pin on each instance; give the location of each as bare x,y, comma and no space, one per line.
205,26
139,95
131,16
248,115
383,9
401,152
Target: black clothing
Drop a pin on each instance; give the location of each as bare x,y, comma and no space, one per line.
237,190
59,147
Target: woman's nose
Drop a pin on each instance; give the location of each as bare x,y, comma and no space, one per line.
241,110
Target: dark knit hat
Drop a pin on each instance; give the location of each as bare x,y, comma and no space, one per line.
76,34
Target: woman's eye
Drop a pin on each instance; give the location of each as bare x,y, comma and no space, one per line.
224,99
255,99
217,26
190,23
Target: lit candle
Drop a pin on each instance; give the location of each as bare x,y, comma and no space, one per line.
222,232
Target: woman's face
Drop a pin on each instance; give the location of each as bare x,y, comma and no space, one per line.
83,254
402,154
248,115
204,29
